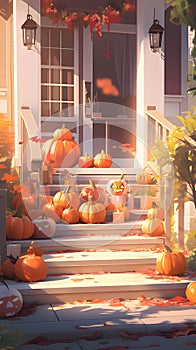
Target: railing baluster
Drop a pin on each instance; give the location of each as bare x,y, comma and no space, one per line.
3,247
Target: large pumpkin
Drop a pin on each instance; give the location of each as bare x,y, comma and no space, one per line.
153,227
92,212
18,227
61,153
102,160
67,198
31,268
191,292
11,301
171,263
62,134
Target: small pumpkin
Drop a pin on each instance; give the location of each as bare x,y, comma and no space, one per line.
117,187
11,301
35,249
92,212
125,210
52,210
8,268
191,292
111,206
67,198
18,227
31,268
102,160
171,263
153,227
144,178
93,192
70,216
86,161
156,212
44,227
63,133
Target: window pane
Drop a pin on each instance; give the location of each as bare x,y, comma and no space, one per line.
67,38
45,37
68,109
45,56
55,37
55,93
55,57
67,58
55,107
67,93
45,92
44,75
67,76
45,109
55,76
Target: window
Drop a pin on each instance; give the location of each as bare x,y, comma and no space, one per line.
58,94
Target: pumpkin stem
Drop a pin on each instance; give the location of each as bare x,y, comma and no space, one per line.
12,258
168,249
122,176
18,212
92,185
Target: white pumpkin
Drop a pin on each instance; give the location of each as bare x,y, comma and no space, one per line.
11,301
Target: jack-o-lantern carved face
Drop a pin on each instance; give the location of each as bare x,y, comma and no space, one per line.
11,301
117,187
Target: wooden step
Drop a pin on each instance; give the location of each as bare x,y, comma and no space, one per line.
80,243
104,261
67,288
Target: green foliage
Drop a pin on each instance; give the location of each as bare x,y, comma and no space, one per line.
177,157
191,260
184,11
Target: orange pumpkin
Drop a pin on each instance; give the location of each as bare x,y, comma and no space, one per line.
86,161
53,211
171,263
11,301
125,210
61,154
156,212
92,212
144,178
43,227
35,249
111,206
93,192
191,292
62,133
31,268
67,198
153,227
102,160
117,187
8,268
70,216
18,227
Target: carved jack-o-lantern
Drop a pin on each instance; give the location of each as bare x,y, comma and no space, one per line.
117,187
11,301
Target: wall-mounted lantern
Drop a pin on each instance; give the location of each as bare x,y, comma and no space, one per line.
155,35
29,31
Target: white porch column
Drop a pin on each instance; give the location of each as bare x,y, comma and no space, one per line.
150,73
26,69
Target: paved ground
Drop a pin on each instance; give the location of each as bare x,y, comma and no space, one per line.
98,325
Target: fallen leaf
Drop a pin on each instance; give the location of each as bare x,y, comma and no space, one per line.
94,336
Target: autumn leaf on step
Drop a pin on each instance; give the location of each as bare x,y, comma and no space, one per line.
94,336
129,335
115,347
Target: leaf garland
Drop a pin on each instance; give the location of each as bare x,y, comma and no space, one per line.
112,13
